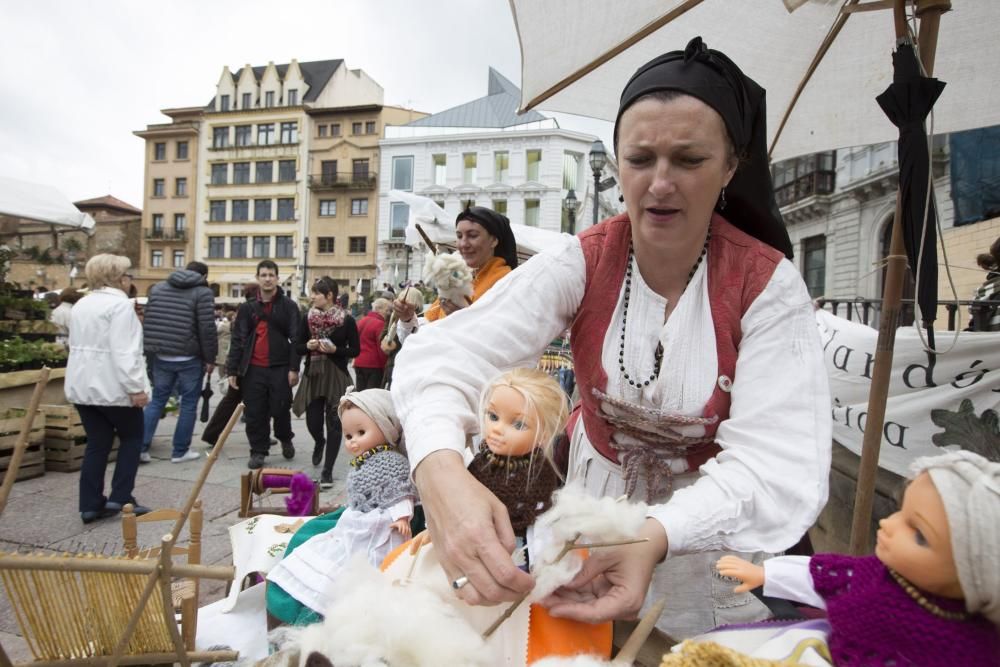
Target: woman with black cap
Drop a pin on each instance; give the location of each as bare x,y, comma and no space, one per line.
702,383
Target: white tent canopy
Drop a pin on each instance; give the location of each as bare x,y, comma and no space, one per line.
23,202
564,42
439,227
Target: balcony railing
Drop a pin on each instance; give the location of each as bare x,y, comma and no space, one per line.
807,185
166,235
365,180
866,311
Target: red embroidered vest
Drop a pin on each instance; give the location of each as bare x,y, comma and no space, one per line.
739,267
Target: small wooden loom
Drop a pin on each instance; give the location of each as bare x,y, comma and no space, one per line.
71,609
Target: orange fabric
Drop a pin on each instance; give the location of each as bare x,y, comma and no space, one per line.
485,278
393,555
550,636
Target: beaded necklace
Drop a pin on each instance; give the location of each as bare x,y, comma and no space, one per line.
921,600
364,456
658,355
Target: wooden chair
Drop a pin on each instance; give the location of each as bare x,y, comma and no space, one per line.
97,610
184,592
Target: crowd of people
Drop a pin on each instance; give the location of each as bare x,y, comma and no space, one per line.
699,371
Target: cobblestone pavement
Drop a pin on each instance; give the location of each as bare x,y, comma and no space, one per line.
42,516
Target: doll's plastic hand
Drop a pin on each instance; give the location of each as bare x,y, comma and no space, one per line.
613,582
751,575
471,531
422,539
402,526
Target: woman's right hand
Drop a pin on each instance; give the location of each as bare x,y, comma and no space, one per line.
139,400
312,344
470,530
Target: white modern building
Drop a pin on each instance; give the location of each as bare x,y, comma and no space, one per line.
483,152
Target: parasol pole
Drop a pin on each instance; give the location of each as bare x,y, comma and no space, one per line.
929,12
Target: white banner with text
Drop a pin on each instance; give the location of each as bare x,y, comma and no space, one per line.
935,403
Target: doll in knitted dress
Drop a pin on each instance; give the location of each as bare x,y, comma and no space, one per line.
380,501
931,593
521,412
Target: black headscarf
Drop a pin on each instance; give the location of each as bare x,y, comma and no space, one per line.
714,79
499,226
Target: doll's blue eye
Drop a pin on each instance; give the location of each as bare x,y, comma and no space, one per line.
520,425
919,537
492,416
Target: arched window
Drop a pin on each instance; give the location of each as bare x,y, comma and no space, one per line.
909,290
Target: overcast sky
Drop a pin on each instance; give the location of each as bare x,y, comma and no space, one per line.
77,78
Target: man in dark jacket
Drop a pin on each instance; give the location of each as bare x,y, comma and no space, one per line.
180,339
263,363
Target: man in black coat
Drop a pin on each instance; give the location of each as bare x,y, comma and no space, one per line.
180,339
263,363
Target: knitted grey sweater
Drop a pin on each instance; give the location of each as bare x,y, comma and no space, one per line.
381,481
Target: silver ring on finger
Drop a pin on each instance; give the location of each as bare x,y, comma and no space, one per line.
460,582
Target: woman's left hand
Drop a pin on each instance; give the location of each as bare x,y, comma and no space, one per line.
613,582
327,347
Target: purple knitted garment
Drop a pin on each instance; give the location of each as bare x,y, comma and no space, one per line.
877,624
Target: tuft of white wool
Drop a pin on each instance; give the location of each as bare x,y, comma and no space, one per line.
374,623
574,512
450,276
575,661
551,575
603,519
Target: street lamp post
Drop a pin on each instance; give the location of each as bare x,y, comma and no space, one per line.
570,204
305,263
598,158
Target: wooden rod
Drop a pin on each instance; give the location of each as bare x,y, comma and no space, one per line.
879,390
142,659
113,565
427,239
630,650
205,469
886,343
22,439
166,545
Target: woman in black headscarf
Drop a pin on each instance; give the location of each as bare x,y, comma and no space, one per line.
702,383
487,245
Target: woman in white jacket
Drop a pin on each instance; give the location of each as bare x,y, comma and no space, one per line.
106,381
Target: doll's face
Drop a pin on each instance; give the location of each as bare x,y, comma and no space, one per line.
360,432
510,429
916,541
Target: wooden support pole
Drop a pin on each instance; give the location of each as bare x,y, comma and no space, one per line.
22,439
930,13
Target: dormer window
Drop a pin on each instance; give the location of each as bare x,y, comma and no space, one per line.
224,103
269,99
293,97
247,101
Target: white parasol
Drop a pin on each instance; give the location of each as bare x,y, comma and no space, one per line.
577,56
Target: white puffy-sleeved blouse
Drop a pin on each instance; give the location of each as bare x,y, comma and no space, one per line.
769,482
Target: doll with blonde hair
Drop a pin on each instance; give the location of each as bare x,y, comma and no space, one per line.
930,595
521,413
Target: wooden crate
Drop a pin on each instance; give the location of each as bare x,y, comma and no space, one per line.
33,461
62,422
65,439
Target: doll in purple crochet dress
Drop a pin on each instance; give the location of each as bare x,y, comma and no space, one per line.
931,593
